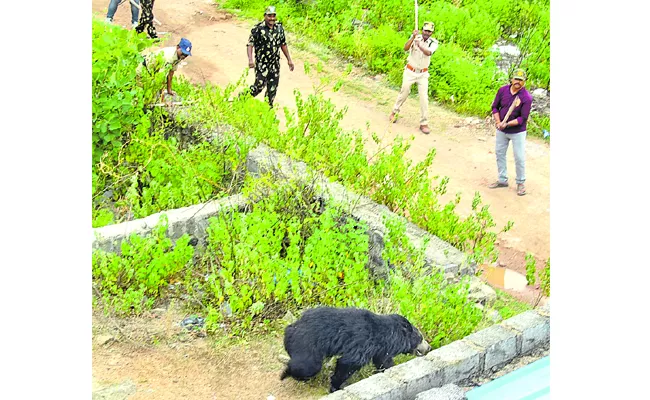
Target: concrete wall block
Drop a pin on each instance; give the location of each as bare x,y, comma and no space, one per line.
258,160
340,395
417,375
192,220
534,329
375,250
447,392
545,310
370,215
264,159
461,360
377,387
110,237
451,269
500,345
336,192
152,220
468,268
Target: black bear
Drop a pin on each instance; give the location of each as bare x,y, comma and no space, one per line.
358,336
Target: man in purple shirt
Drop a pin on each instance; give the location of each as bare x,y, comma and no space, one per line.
510,110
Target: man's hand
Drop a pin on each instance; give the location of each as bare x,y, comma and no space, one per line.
415,32
290,65
502,125
251,64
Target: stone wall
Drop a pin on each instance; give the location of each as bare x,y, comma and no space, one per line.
193,220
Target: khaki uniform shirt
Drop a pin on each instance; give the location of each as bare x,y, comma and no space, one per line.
416,57
169,56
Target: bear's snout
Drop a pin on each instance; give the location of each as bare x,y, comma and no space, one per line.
422,349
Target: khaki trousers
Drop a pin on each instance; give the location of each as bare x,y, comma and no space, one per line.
422,80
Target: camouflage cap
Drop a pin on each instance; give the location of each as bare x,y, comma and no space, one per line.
519,74
269,10
428,26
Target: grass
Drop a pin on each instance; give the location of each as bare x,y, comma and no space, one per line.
508,306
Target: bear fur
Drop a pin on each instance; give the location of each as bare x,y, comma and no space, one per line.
358,336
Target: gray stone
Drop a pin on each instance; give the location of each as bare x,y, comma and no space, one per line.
540,92
289,317
481,292
461,360
340,395
534,328
417,375
500,345
447,392
494,316
226,310
115,392
377,387
104,339
545,310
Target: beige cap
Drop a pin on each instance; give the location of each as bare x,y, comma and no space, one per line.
519,74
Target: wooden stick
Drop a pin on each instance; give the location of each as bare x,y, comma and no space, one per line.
514,104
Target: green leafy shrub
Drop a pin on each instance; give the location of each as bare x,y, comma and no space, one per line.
130,282
530,269
273,259
144,167
119,97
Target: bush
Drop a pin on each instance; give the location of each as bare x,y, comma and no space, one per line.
139,167
131,282
118,101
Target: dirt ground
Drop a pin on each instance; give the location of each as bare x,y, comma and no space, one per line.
464,153
165,361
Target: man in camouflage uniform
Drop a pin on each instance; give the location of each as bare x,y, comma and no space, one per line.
267,37
146,19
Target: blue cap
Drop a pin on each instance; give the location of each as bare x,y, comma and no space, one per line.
186,46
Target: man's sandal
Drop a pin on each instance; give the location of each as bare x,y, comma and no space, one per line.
497,184
521,189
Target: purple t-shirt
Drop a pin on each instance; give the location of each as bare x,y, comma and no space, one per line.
502,103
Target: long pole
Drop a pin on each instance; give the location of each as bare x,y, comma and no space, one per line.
416,13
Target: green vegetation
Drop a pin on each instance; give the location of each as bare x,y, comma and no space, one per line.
287,253
284,255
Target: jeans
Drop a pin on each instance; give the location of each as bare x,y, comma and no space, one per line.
112,8
518,144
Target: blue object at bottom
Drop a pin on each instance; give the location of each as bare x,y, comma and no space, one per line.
530,382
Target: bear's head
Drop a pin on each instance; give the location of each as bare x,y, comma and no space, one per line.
416,344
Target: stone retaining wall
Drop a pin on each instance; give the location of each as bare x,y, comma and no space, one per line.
193,220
